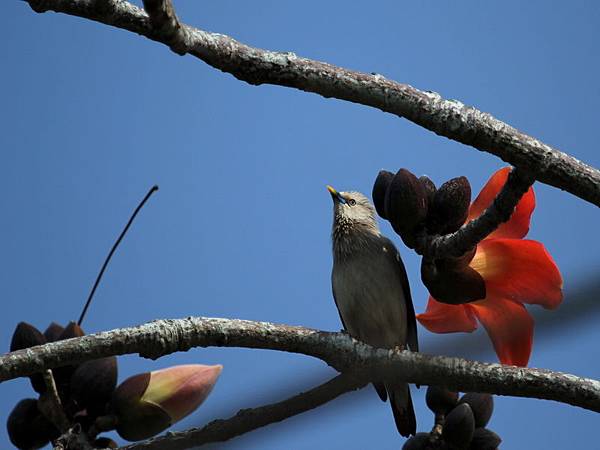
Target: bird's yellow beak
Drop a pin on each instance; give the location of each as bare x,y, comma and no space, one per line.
336,195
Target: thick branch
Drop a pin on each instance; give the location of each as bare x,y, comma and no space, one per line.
449,118
473,232
163,337
248,420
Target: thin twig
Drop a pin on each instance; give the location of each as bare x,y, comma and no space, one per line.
473,232
247,420
152,190
50,404
449,118
340,351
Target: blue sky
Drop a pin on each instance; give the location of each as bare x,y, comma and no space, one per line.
93,116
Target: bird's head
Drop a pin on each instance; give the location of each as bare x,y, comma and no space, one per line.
352,211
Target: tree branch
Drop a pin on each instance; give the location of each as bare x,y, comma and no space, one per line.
470,234
340,351
449,118
247,420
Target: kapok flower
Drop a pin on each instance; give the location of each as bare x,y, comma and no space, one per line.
515,271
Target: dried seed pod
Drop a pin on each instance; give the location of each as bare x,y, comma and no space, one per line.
93,383
429,187
459,427
482,406
440,400
53,332
406,205
27,427
484,439
419,441
25,336
380,187
450,206
453,287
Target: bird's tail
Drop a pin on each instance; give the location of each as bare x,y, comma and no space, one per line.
402,407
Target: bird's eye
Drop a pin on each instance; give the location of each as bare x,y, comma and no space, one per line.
352,202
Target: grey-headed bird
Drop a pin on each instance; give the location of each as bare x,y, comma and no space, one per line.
371,292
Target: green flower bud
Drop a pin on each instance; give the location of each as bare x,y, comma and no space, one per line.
150,402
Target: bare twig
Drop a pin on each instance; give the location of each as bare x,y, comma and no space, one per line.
50,404
340,351
473,232
248,420
449,118
152,190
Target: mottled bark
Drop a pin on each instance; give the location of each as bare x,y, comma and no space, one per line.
449,118
340,351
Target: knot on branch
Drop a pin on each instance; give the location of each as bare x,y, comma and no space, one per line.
166,25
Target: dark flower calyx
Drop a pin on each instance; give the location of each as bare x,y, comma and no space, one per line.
482,406
406,205
459,427
440,400
452,286
450,206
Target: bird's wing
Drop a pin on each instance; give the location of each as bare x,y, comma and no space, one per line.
411,320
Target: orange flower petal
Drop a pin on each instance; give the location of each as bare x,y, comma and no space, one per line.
509,326
518,224
443,318
520,270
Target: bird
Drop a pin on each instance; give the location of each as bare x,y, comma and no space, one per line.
372,293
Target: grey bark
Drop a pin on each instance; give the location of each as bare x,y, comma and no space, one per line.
449,118
162,337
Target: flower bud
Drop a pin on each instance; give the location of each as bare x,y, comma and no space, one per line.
150,402
459,427
28,428
484,439
406,205
380,187
62,375
93,383
25,336
53,332
440,400
452,286
482,406
450,206
429,187
419,441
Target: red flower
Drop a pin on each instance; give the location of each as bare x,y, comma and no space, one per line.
515,270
